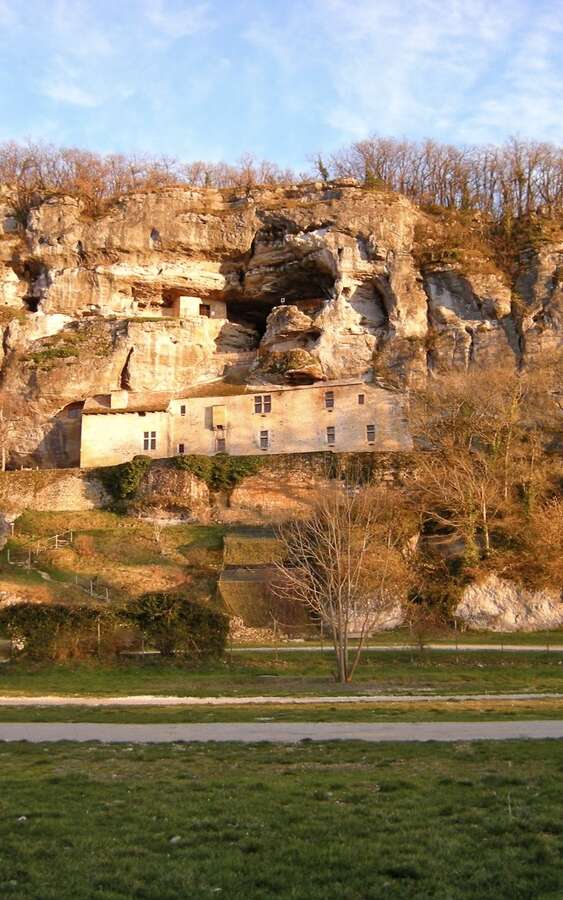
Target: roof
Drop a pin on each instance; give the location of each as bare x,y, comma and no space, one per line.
142,401
159,401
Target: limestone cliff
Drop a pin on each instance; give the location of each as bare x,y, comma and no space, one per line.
320,281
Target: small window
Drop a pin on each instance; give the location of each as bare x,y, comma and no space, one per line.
329,399
264,440
181,449
73,413
183,409
370,431
205,310
149,440
267,403
361,399
331,435
220,443
258,403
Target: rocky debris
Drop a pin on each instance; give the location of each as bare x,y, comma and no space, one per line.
496,604
241,633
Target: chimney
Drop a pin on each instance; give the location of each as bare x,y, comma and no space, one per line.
119,400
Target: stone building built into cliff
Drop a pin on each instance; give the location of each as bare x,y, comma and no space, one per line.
345,415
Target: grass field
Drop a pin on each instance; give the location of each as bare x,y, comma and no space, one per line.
460,711
310,821
299,672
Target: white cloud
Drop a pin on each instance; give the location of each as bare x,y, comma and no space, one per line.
470,70
66,92
177,23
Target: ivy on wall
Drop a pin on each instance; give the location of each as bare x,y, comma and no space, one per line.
220,472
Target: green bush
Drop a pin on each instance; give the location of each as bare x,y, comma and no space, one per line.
176,625
221,472
122,481
61,352
51,631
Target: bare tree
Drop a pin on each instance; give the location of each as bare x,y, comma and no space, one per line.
346,564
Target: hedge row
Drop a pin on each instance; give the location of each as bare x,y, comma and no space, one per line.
169,622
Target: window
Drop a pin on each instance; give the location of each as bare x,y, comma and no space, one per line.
73,413
331,435
361,399
264,440
183,409
205,310
329,399
149,441
220,442
181,449
263,403
370,431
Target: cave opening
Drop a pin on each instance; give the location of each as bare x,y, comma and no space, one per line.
31,304
250,313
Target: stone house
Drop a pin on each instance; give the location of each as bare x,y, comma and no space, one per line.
346,415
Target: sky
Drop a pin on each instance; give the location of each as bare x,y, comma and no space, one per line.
283,79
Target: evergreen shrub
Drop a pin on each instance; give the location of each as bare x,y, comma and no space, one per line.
174,624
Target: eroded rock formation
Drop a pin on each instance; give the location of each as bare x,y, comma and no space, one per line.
319,281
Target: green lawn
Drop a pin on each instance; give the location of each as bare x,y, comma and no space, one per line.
299,672
310,821
472,711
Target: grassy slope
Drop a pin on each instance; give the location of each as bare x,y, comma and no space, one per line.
303,673
129,555
314,822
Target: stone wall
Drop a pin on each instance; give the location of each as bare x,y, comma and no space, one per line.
55,490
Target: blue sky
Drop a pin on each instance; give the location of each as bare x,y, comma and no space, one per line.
211,79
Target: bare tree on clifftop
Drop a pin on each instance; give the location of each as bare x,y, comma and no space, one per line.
346,564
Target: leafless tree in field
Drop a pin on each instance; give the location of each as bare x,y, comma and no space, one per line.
346,564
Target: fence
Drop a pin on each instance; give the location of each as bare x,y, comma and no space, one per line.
26,555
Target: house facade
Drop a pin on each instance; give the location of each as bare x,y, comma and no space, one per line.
345,416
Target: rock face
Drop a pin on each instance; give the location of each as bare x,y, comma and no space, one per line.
320,282
499,605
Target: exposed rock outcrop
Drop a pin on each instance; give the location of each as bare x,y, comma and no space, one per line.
499,605
320,281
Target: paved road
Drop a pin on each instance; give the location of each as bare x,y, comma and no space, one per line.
282,732
263,700
374,648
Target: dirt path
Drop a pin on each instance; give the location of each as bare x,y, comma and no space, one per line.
160,700
286,732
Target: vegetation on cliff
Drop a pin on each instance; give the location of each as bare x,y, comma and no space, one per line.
220,472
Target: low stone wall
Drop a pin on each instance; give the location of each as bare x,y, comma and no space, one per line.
50,490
